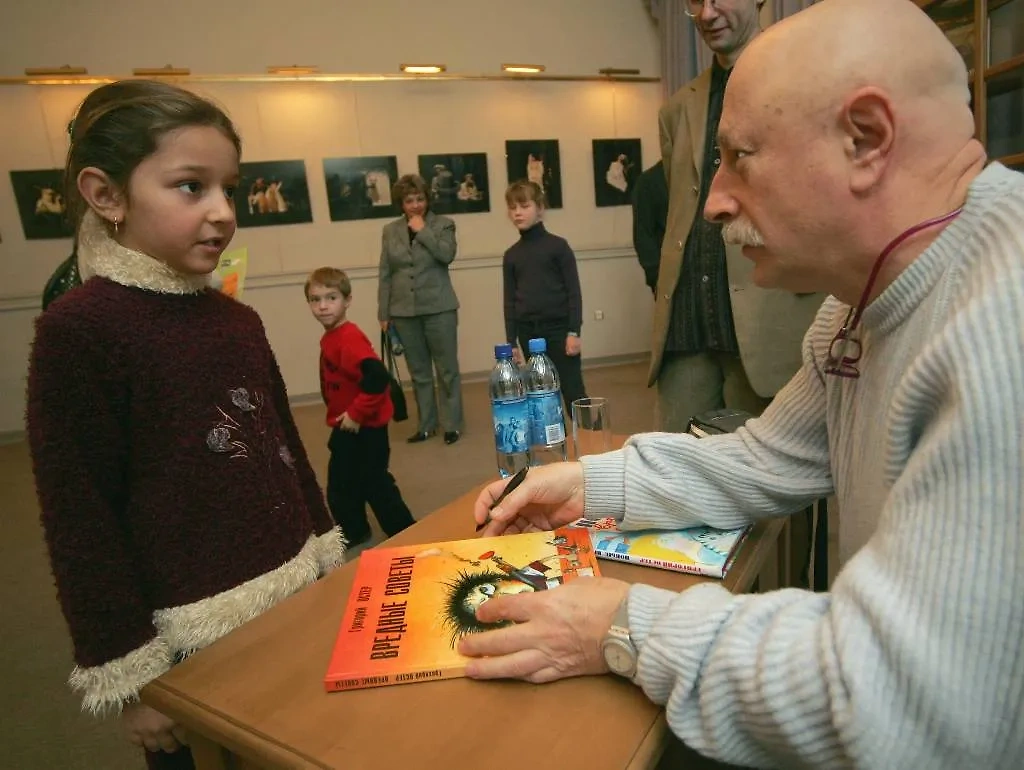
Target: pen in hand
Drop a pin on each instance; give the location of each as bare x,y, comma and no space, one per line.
513,482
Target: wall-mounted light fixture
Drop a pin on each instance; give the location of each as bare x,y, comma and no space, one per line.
55,72
525,69
423,69
616,71
294,70
65,75
167,71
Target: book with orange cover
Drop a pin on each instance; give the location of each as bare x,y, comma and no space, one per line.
410,605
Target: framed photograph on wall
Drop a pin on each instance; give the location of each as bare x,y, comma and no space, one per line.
457,183
536,160
41,206
617,164
273,192
360,188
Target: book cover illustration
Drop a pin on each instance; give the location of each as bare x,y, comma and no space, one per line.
231,270
409,606
698,550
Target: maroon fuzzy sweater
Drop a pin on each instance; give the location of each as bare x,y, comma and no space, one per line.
169,471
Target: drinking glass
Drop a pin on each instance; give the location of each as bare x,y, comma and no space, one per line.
591,427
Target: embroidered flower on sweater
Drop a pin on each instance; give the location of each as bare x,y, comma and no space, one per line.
219,439
247,435
240,398
286,456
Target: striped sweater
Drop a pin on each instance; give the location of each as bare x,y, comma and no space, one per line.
916,657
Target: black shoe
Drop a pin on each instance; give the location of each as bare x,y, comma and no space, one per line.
419,436
358,540
451,436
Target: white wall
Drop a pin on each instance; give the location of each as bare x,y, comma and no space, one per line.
314,121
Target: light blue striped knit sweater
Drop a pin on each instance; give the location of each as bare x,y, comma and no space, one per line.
916,657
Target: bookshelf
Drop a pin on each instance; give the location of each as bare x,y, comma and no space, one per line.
990,36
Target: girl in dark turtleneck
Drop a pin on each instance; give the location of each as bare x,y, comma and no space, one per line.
542,290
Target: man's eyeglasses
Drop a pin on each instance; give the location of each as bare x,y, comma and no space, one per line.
693,8
845,350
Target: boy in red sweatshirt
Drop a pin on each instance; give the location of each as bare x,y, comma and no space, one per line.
355,387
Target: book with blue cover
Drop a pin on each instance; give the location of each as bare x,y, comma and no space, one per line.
697,550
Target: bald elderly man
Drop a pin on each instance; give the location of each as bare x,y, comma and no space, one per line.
849,167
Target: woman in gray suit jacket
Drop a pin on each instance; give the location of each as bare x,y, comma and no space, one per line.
415,294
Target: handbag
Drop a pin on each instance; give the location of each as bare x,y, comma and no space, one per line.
397,393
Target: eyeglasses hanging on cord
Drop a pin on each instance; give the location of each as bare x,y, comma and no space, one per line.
845,350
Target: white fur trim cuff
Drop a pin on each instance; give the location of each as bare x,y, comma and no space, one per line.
332,549
108,687
194,626
190,627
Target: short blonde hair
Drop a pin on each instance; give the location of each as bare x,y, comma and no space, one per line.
523,191
332,278
410,184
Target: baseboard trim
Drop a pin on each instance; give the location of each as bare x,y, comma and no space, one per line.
308,399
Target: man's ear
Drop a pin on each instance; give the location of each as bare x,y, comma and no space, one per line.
102,194
869,125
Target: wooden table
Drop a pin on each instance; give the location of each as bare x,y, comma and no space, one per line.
255,699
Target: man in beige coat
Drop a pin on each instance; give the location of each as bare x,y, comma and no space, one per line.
718,340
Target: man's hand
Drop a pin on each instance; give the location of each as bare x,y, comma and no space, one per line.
557,634
416,223
572,345
517,356
550,497
384,325
152,730
347,424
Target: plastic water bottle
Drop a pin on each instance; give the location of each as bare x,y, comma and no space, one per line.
544,395
511,414
396,342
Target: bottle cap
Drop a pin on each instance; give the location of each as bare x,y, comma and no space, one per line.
538,345
503,351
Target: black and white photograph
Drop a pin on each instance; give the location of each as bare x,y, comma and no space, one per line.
617,165
41,205
360,188
272,192
457,183
536,160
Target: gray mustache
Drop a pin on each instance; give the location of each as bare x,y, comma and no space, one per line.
740,232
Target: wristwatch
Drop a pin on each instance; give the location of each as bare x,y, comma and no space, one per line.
572,334
617,646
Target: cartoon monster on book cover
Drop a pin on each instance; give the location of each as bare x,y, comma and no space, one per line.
410,605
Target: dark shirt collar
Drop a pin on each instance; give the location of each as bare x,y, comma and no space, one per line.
533,233
719,75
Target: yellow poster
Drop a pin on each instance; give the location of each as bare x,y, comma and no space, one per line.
231,270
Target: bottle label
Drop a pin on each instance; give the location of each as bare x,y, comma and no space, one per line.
511,425
546,426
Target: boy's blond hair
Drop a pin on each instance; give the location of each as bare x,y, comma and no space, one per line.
332,278
523,191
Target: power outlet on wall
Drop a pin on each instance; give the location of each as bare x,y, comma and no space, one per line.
598,315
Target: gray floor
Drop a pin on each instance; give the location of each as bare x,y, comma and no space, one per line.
42,726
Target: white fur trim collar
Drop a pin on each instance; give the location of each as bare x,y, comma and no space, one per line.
182,630
99,254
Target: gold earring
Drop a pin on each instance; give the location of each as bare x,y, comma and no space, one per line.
115,225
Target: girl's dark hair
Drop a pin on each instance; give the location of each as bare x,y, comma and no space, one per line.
120,124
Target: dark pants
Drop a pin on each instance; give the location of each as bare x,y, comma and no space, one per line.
569,368
357,474
432,343
179,760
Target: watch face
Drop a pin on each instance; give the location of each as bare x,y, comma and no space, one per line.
619,659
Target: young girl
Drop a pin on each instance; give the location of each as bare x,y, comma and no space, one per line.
176,497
